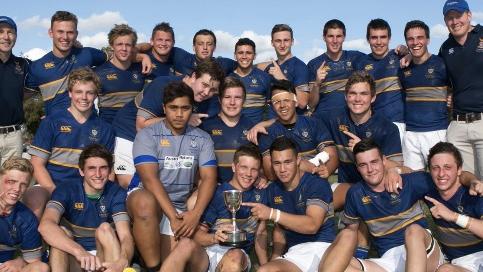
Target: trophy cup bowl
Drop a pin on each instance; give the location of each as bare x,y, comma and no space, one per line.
236,237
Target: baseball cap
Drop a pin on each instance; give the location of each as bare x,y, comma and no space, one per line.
9,21
457,5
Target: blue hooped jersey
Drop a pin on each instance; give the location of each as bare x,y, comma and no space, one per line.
82,215
456,241
19,230
185,63
217,213
312,190
388,214
309,134
332,90
227,140
382,131
295,71
425,86
118,87
60,139
385,71
50,74
257,85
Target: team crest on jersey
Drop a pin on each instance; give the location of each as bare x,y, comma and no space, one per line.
407,73
49,65
93,135
193,143
278,200
111,76
18,68
79,206
165,143
369,67
348,64
395,199
135,78
430,73
366,200
343,128
103,210
73,59
368,134
171,70
257,197
216,132
245,132
12,232
460,209
254,80
65,129
479,48
392,64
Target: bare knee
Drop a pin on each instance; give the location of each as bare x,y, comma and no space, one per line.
233,261
35,199
185,247
414,232
268,267
142,205
104,230
446,268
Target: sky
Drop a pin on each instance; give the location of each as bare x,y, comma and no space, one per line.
230,21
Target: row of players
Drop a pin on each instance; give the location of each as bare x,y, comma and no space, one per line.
169,152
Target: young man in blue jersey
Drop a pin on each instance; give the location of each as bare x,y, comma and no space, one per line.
457,214
147,109
310,134
387,216
170,157
121,79
162,42
329,71
425,83
49,73
256,81
300,204
77,220
204,253
18,224
287,66
61,137
228,129
383,65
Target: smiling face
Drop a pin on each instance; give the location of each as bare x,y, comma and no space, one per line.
244,55
63,34
458,23
82,95
123,48
284,104
12,186
359,99
379,42
245,172
232,102
95,173
445,172
8,37
162,43
417,42
370,165
204,87
334,40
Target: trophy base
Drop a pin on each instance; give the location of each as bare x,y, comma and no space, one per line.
235,239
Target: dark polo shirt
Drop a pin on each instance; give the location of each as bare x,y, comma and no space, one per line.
464,64
12,79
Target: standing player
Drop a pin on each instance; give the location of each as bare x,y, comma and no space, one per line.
161,53
301,207
50,72
310,135
147,109
121,80
425,85
383,65
257,82
61,137
204,253
328,72
168,156
86,211
287,66
228,129
18,224
462,53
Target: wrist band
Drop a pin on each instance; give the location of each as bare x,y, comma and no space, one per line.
271,213
277,216
462,220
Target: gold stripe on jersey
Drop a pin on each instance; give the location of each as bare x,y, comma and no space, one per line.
67,157
51,89
255,100
429,94
224,157
331,86
387,84
116,100
453,237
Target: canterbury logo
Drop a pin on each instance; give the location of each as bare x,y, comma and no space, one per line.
65,128
217,132
111,77
49,65
79,206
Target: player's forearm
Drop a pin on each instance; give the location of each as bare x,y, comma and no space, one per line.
314,95
142,122
42,176
466,178
267,168
143,47
333,161
303,224
204,238
302,96
206,190
56,237
475,225
127,248
279,242
261,243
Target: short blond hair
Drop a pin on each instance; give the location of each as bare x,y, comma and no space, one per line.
17,163
83,75
122,30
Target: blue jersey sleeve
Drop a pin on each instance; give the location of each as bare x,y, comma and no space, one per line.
264,142
118,206
109,138
98,56
322,133
60,199
145,147
207,155
420,183
152,103
350,214
391,143
301,74
31,244
479,208
43,140
319,193
211,213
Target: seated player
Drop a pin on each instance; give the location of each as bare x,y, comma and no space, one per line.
256,81
301,207
228,129
147,109
169,155
387,216
86,209
121,79
310,135
456,213
18,225
204,253
62,136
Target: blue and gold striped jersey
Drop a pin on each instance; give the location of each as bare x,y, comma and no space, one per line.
82,215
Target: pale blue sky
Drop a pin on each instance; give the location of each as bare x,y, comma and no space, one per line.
230,20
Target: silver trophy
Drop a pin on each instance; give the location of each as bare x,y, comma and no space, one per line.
236,237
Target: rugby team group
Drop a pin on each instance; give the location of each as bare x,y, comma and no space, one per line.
139,143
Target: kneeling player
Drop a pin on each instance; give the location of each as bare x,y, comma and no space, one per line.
215,257
18,225
87,210
301,207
